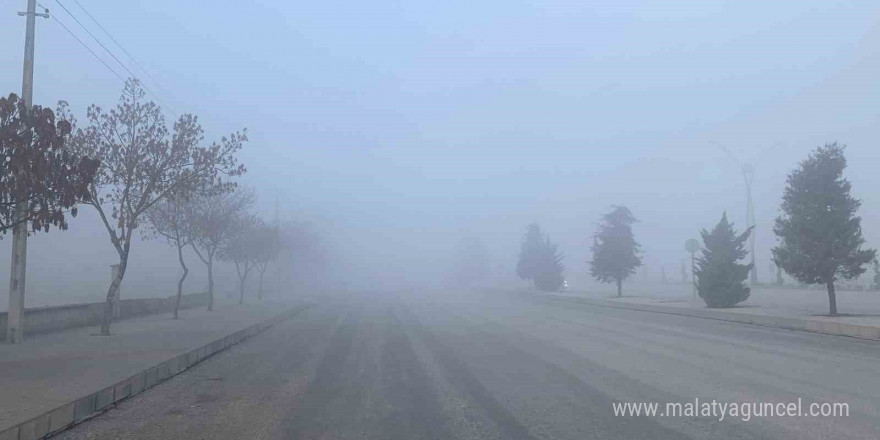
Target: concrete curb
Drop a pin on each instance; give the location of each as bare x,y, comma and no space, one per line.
67,415
801,324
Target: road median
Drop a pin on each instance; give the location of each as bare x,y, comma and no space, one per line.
852,326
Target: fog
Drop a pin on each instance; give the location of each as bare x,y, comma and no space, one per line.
397,128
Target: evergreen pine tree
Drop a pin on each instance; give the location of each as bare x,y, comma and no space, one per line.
615,251
876,284
530,250
549,276
819,233
719,276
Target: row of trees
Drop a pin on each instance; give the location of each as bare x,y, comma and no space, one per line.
819,238
139,174
615,253
218,226
819,235
143,163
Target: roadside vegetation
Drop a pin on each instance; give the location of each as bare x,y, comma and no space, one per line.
819,243
540,261
720,276
819,233
164,181
142,176
615,250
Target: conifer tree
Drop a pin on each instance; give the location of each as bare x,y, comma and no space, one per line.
720,278
819,234
530,249
615,251
549,276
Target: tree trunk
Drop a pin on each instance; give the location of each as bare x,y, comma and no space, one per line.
112,295
619,287
832,299
241,291
210,282
180,282
241,277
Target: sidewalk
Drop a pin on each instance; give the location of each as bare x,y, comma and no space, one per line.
796,309
51,370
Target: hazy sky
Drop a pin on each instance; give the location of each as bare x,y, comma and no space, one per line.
400,126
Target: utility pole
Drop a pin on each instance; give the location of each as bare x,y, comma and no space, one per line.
18,270
278,267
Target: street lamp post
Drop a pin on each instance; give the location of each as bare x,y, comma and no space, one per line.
748,172
692,246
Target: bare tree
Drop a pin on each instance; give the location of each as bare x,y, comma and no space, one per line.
213,219
142,163
268,246
169,220
242,249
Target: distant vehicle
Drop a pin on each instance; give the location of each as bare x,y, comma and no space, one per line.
564,286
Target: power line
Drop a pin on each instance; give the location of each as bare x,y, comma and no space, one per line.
86,46
94,38
156,83
161,104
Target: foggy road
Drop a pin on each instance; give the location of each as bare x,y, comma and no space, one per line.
499,366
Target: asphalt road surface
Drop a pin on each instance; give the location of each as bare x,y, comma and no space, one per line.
501,366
